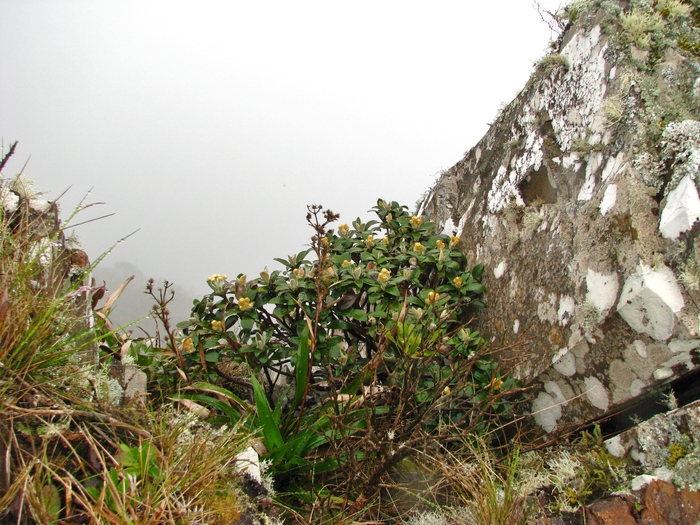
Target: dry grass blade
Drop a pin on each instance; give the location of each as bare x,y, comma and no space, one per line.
107,307
487,491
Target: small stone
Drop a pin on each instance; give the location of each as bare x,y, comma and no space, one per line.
614,511
666,505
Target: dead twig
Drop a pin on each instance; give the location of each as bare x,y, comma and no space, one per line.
7,156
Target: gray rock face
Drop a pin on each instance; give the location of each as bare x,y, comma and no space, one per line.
582,202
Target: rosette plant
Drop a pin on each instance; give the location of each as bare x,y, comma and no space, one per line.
358,352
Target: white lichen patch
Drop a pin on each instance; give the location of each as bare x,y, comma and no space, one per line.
615,447
546,409
9,200
681,146
613,166
583,87
516,326
504,189
567,306
682,209
499,270
596,393
602,290
682,353
649,301
609,199
40,205
662,373
636,387
640,347
564,362
449,227
595,160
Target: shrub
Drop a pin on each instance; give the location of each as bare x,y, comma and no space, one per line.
359,352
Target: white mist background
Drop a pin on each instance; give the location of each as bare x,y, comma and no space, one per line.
209,126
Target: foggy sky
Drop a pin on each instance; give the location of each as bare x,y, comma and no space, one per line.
209,126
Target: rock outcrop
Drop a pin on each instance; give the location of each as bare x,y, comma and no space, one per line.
582,201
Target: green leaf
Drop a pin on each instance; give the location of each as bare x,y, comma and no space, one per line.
475,287
271,432
212,357
52,502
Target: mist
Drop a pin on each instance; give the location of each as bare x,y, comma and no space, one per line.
203,130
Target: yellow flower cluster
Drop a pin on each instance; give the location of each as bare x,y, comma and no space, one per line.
346,263
369,241
440,245
217,326
343,229
384,276
299,272
187,345
244,303
416,221
454,241
457,281
217,278
324,242
418,248
385,240
433,298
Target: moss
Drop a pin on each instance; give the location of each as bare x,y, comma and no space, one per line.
690,276
641,27
675,452
551,63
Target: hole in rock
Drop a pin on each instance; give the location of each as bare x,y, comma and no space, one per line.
537,188
686,389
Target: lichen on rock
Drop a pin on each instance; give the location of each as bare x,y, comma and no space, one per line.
582,202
